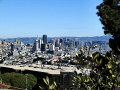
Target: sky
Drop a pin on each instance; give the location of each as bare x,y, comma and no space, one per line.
56,18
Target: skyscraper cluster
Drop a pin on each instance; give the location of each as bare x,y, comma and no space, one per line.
44,45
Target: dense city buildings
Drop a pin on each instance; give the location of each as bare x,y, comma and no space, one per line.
55,46
54,57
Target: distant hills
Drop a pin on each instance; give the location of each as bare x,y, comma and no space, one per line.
27,40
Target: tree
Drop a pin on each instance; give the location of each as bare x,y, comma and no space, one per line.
104,75
109,12
19,80
105,70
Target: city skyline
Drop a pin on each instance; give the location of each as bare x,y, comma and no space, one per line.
54,18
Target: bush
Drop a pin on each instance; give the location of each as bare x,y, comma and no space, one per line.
105,74
19,80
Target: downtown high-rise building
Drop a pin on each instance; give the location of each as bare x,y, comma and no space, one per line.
44,39
36,45
57,43
51,47
52,41
39,43
43,47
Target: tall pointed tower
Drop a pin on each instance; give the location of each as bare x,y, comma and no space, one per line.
36,43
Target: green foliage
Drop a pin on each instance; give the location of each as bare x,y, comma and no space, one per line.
105,72
32,81
115,45
48,86
0,77
19,80
109,11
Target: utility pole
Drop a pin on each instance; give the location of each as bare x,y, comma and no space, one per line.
26,81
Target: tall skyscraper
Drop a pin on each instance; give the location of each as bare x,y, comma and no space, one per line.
44,39
36,45
51,47
62,43
43,47
52,41
39,43
57,43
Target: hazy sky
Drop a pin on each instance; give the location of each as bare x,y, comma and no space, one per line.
28,18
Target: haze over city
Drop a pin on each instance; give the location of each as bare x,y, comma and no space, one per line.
28,18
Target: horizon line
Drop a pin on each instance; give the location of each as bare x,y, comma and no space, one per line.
53,37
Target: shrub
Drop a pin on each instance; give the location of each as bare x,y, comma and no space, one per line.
19,80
